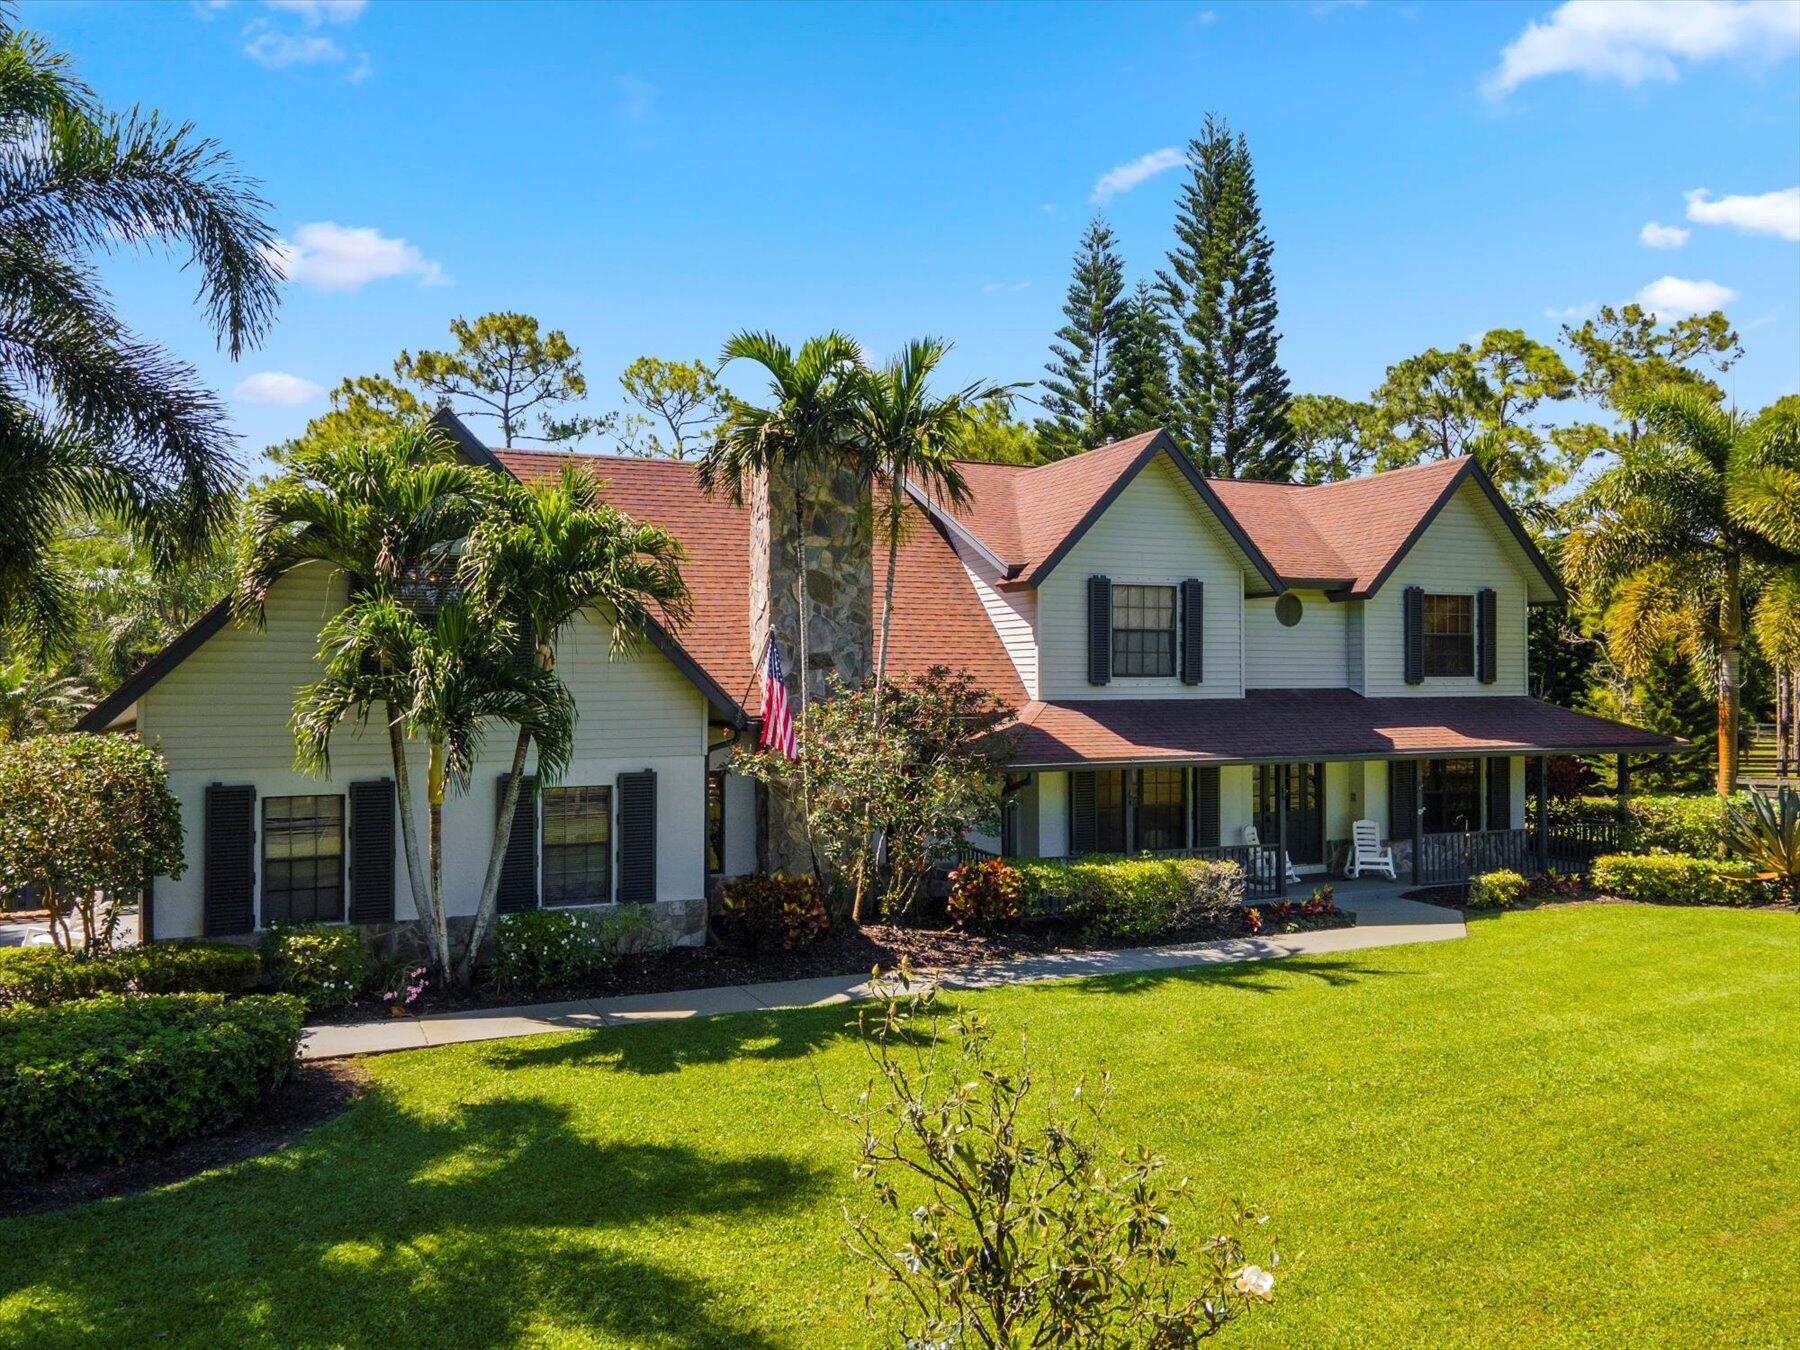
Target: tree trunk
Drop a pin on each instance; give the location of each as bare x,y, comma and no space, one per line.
866,860
1731,638
434,799
409,829
490,883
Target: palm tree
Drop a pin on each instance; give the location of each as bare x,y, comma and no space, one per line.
1676,538
389,514
809,424
443,674
910,435
34,701
546,554
93,418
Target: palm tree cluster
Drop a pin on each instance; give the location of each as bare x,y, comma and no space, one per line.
94,419
457,584
1691,543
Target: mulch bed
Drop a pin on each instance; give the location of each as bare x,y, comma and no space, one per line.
316,1093
845,949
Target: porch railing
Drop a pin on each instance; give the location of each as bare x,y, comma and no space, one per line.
1447,858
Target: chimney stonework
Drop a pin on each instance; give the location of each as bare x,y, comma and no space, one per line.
829,512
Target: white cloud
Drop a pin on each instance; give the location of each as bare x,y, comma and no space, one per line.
1654,235
1127,176
277,386
315,12
277,50
1566,312
994,287
1632,41
337,257
1676,297
1775,213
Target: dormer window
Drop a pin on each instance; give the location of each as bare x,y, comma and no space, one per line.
1449,635
1143,631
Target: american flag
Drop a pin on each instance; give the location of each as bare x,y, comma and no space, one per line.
778,719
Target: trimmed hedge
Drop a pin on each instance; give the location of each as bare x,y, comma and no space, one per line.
1671,878
96,1080
1693,824
40,976
1130,899
1497,890
324,965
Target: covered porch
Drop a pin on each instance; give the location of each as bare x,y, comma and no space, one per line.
1454,785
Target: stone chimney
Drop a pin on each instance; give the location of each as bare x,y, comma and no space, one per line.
823,515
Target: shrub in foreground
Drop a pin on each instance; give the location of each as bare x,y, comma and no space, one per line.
40,976
1501,889
550,948
323,965
998,1222
95,1080
1670,878
1668,823
986,896
774,912
1763,836
1133,899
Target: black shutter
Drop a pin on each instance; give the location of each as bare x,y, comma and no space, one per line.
1413,606
518,866
1193,635
229,884
1206,807
1083,826
372,851
1499,794
1403,797
637,837
1099,630
1486,636
525,650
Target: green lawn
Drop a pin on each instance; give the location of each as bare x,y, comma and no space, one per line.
1581,1125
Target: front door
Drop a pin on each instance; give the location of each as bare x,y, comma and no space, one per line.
1305,789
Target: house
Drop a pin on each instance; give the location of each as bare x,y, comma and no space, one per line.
1190,658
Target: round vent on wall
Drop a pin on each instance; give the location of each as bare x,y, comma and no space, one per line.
1287,610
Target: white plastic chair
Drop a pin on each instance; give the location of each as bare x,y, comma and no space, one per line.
1252,839
1368,853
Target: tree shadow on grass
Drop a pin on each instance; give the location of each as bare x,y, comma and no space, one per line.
1257,977
390,1227
665,1047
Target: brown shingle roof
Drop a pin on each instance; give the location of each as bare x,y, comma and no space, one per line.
938,620
1293,724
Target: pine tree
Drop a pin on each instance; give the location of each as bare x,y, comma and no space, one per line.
1231,394
1078,388
1143,399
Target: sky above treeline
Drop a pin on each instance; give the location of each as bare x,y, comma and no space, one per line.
652,179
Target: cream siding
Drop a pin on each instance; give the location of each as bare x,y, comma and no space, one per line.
1310,655
1463,550
222,717
1157,531
1353,644
1013,612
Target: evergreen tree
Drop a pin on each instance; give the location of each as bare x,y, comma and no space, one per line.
1078,388
1231,395
1143,398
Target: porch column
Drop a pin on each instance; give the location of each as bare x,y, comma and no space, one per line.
1418,821
1281,791
1624,788
1543,813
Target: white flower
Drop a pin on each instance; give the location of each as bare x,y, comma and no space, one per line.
1256,1281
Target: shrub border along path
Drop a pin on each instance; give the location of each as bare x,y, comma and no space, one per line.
1383,920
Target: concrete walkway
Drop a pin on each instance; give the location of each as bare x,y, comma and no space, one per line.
1383,920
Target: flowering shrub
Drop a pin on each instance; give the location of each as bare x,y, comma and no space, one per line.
774,913
998,1224
553,948
1671,878
40,976
323,965
81,817
986,895
408,989
1500,889
94,1080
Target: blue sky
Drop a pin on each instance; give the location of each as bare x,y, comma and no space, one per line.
652,179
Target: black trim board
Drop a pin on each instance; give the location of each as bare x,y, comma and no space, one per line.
1161,443
1469,470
